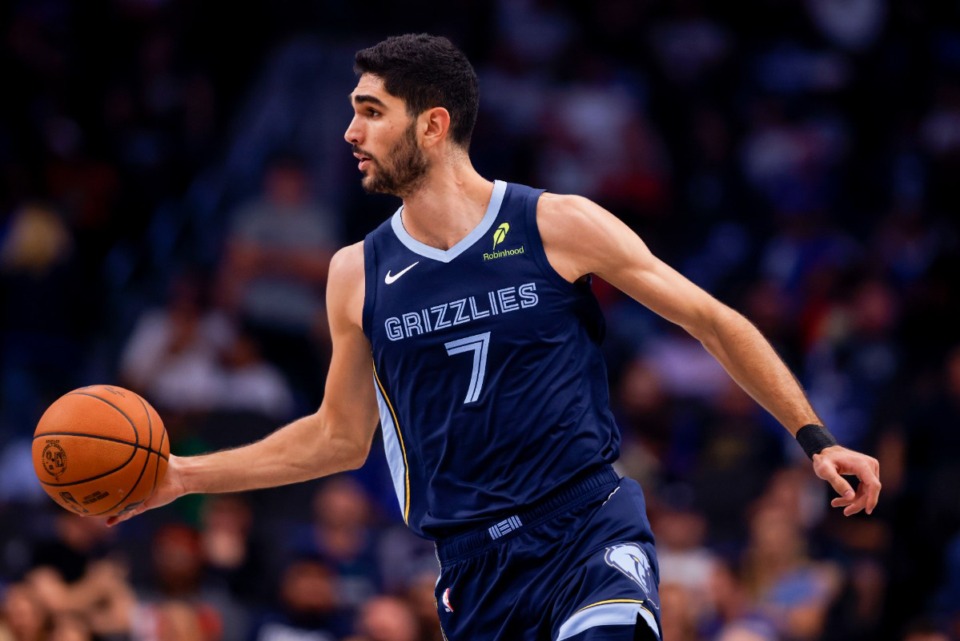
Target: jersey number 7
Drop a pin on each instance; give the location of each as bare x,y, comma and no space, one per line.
478,344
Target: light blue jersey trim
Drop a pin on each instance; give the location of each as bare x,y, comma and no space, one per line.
446,255
396,458
606,614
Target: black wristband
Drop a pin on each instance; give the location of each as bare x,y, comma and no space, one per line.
814,438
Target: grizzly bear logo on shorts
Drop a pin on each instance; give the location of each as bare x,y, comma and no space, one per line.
630,559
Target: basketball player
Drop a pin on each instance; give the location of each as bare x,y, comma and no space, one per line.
466,326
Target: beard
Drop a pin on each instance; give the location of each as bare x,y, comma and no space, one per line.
403,170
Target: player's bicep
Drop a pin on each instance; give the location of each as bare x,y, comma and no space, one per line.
349,408
349,402
665,291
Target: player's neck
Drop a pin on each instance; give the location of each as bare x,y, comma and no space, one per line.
449,204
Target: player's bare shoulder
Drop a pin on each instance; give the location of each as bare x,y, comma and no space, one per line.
567,223
345,285
347,262
564,211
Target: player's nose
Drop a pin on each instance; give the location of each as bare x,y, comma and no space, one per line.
352,134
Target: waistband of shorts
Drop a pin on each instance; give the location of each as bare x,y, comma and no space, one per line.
566,496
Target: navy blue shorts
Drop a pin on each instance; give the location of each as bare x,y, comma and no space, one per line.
579,566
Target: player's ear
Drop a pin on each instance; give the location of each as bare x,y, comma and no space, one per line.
435,125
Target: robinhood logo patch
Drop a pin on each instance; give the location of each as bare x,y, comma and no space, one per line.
500,234
498,237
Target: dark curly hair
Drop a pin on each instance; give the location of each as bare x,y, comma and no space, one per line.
426,71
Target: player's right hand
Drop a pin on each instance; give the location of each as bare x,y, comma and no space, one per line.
170,489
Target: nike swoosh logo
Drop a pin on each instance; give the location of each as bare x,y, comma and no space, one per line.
390,279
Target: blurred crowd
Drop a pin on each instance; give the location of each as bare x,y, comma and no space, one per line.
173,182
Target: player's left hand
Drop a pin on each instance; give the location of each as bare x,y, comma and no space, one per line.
834,462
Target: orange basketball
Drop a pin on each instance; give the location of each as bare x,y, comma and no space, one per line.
100,450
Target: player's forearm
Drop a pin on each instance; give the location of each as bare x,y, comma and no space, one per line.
303,450
753,363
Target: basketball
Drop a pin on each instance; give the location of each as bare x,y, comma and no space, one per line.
100,450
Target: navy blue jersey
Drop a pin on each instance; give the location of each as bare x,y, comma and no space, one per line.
489,376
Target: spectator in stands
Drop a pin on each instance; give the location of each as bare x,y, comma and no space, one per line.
420,596
70,627
678,611
343,535
232,555
172,355
736,457
102,598
42,316
76,544
792,589
923,630
23,616
729,600
181,574
386,618
748,630
249,383
308,606
684,558
275,269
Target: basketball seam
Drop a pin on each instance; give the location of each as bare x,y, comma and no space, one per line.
131,491
105,438
149,426
143,469
146,462
136,433
156,469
